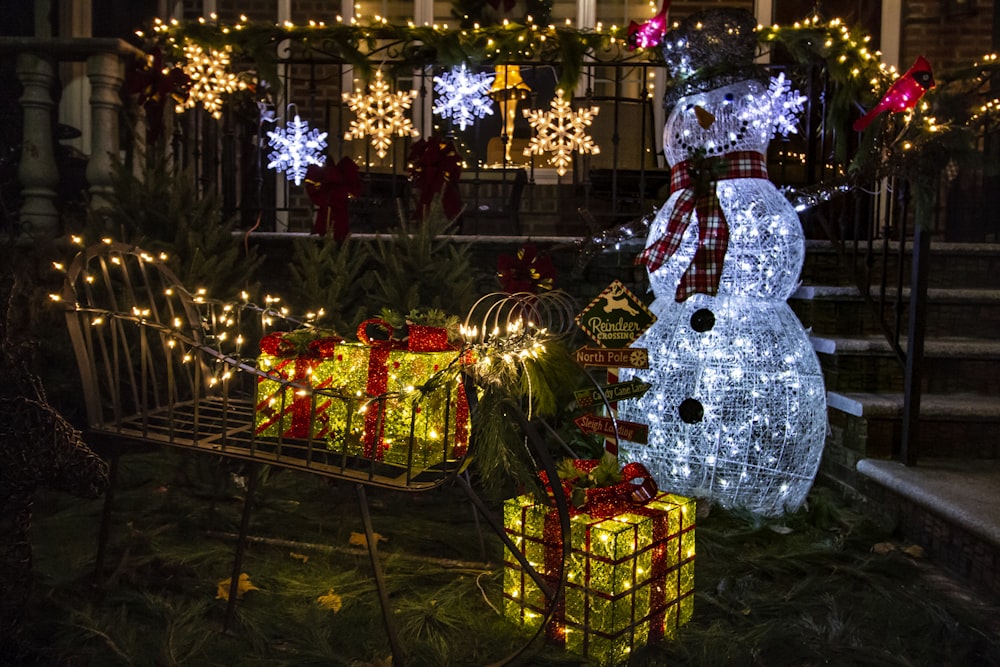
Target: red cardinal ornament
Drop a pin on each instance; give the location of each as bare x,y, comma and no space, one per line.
648,35
903,94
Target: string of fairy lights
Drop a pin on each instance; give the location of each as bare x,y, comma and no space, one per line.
224,59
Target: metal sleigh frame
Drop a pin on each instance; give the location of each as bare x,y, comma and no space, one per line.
155,370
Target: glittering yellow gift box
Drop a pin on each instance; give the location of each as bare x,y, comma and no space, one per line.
373,401
629,578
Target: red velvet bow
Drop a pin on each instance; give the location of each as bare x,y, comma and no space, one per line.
649,34
435,167
526,272
329,187
154,85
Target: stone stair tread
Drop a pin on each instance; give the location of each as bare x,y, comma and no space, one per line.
939,294
950,346
957,406
965,492
937,247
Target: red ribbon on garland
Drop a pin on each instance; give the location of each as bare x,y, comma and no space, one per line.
329,187
435,169
154,85
696,180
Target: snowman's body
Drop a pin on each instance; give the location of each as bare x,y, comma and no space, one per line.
737,411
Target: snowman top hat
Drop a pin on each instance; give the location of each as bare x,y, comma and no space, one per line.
710,49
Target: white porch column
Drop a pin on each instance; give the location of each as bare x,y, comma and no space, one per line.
106,73
37,172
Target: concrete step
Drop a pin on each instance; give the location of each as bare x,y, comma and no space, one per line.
869,425
832,310
951,264
868,364
948,506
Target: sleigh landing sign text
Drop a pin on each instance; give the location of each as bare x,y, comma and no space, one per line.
616,317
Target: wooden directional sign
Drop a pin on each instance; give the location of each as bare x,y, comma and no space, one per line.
614,392
616,317
631,431
629,357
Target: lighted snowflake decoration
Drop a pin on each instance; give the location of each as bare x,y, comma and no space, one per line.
787,104
210,78
381,115
462,95
561,130
296,146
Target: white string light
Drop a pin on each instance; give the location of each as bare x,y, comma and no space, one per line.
462,95
561,131
380,115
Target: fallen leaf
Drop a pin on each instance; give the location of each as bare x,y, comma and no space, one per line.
882,548
914,551
243,585
359,539
300,557
330,601
781,530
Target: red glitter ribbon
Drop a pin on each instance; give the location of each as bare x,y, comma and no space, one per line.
636,489
301,365
330,187
377,385
697,179
659,567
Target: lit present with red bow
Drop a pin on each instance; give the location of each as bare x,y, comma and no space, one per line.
630,574
387,400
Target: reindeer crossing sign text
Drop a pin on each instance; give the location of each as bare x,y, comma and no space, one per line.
616,317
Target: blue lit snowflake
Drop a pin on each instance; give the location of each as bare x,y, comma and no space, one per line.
787,105
462,95
295,148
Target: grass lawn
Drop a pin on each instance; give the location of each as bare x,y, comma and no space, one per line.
810,589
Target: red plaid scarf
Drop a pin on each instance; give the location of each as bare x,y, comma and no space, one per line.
697,179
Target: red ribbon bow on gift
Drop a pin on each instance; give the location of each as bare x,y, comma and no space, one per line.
697,179
636,489
435,168
329,187
154,85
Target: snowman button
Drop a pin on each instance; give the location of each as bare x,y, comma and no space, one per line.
691,411
702,320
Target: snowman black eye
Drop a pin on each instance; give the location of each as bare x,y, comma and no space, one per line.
691,411
729,97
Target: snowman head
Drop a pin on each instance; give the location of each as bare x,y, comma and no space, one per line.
708,50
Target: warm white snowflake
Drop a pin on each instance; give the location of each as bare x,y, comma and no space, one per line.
210,78
561,130
462,95
381,115
787,104
295,148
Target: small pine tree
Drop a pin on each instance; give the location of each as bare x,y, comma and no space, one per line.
334,276
162,211
420,269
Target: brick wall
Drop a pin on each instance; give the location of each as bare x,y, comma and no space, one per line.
946,41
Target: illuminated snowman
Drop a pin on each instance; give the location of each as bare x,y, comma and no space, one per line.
737,412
